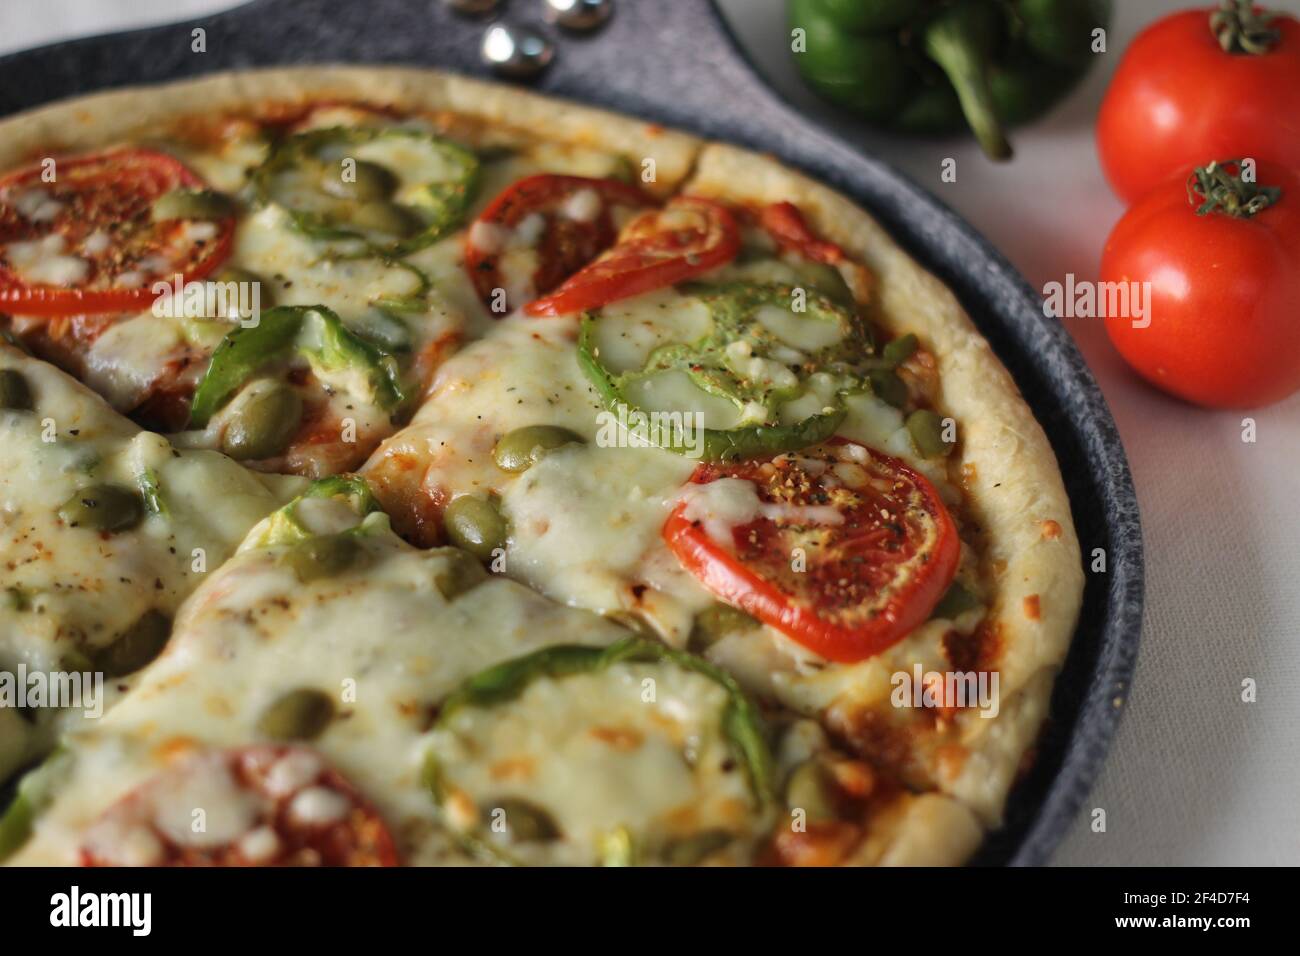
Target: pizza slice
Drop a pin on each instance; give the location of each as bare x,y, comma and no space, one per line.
996,639
333,696
104,530
341,213
758,431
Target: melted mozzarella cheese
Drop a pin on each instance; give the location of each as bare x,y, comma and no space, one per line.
721,505
674,391
415,162
799,330
489,237
585,522
444,264
628,331
634,747
379,637
304,272
583,206
46,262
72,589
130,356
581,532
226,166
36,205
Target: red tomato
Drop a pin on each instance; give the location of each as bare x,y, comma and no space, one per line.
297,811
564,242
1224,308
878,547
97,213
1178,100
689,236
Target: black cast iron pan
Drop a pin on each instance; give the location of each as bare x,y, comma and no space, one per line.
675,62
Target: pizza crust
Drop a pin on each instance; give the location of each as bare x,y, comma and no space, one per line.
101,118
925,829
1011,478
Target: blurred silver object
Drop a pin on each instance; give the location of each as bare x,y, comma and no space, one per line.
474,8
579,14
516,51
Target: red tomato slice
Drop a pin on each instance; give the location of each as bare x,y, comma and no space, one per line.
264,806
95,216
869,576
568,231
688,236
785,223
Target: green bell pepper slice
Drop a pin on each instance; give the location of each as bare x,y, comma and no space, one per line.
32,795
311,331
283,526
424,211
734,308
151,492
741,722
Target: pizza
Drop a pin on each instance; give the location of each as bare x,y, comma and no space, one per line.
409,470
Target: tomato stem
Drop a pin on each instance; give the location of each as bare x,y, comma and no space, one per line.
1215,188
1240,30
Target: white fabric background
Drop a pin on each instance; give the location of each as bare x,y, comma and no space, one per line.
1196,775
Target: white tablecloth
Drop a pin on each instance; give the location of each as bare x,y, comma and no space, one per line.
1196,775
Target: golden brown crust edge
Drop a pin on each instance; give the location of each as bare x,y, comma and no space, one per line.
100,118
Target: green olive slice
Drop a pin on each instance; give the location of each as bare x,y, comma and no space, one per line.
15,393
135,647
525,821
957,600
926,429
103,508
193,204
473,524
227,274
461,574
888,387
714,623
522,448
300,714
262,425
899,350
74,659
323,556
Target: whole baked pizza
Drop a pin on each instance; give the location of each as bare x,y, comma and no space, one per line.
397,469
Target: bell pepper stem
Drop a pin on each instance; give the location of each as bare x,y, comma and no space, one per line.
950,44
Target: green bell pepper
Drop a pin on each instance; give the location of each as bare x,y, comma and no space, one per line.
712,366
935,66
283,526
314,332
504,682
35,791
380,205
